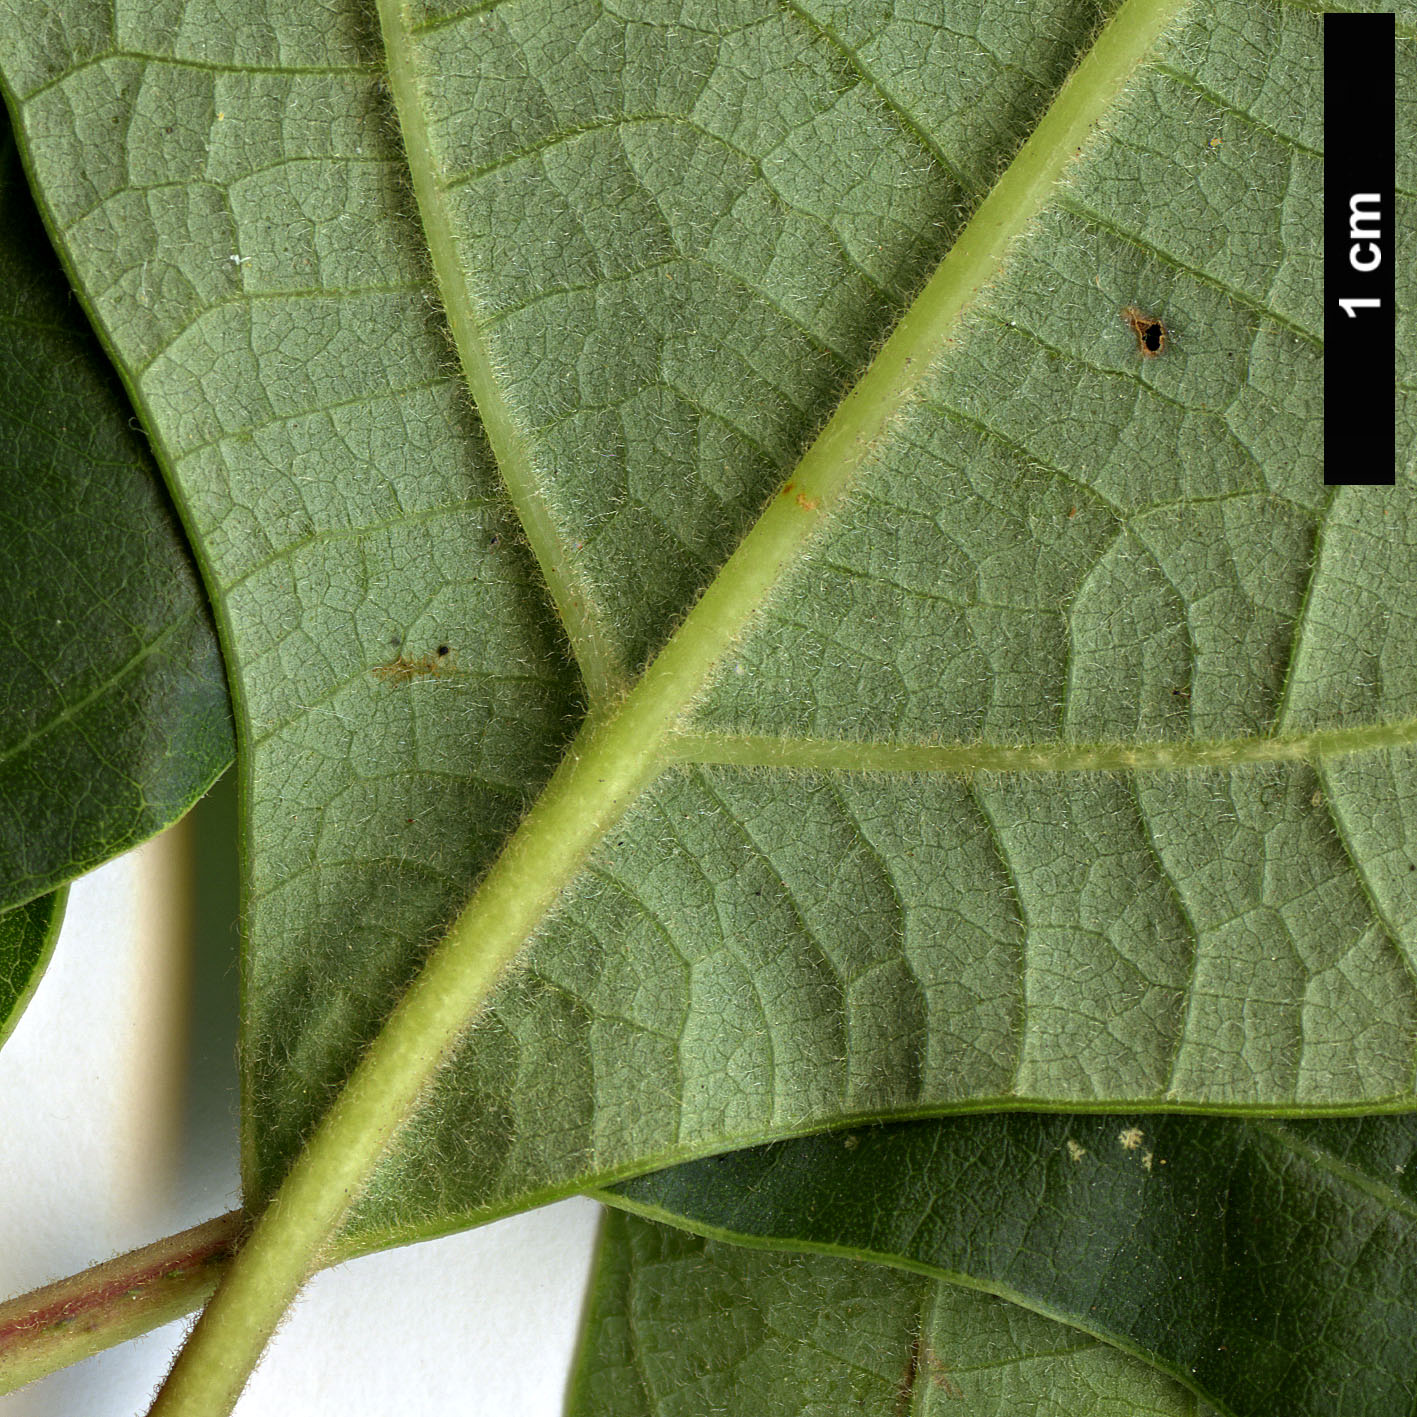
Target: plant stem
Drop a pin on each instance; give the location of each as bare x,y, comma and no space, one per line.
619,752
112,1302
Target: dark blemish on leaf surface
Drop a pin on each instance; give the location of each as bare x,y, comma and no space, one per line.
907,1383
1150,332
940,1374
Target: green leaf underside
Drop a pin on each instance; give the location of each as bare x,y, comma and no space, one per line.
27,936
676,238
114,715
1266,1264
679,1326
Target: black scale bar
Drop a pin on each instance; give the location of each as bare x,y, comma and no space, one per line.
1360,352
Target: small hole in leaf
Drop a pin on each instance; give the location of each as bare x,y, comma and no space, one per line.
442,650
1150,332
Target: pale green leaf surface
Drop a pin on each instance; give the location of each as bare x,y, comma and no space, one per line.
114,715
1269,1265
665,243
678,1326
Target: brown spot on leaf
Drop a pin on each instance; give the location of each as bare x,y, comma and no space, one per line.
906,1390
406,668
940,1373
